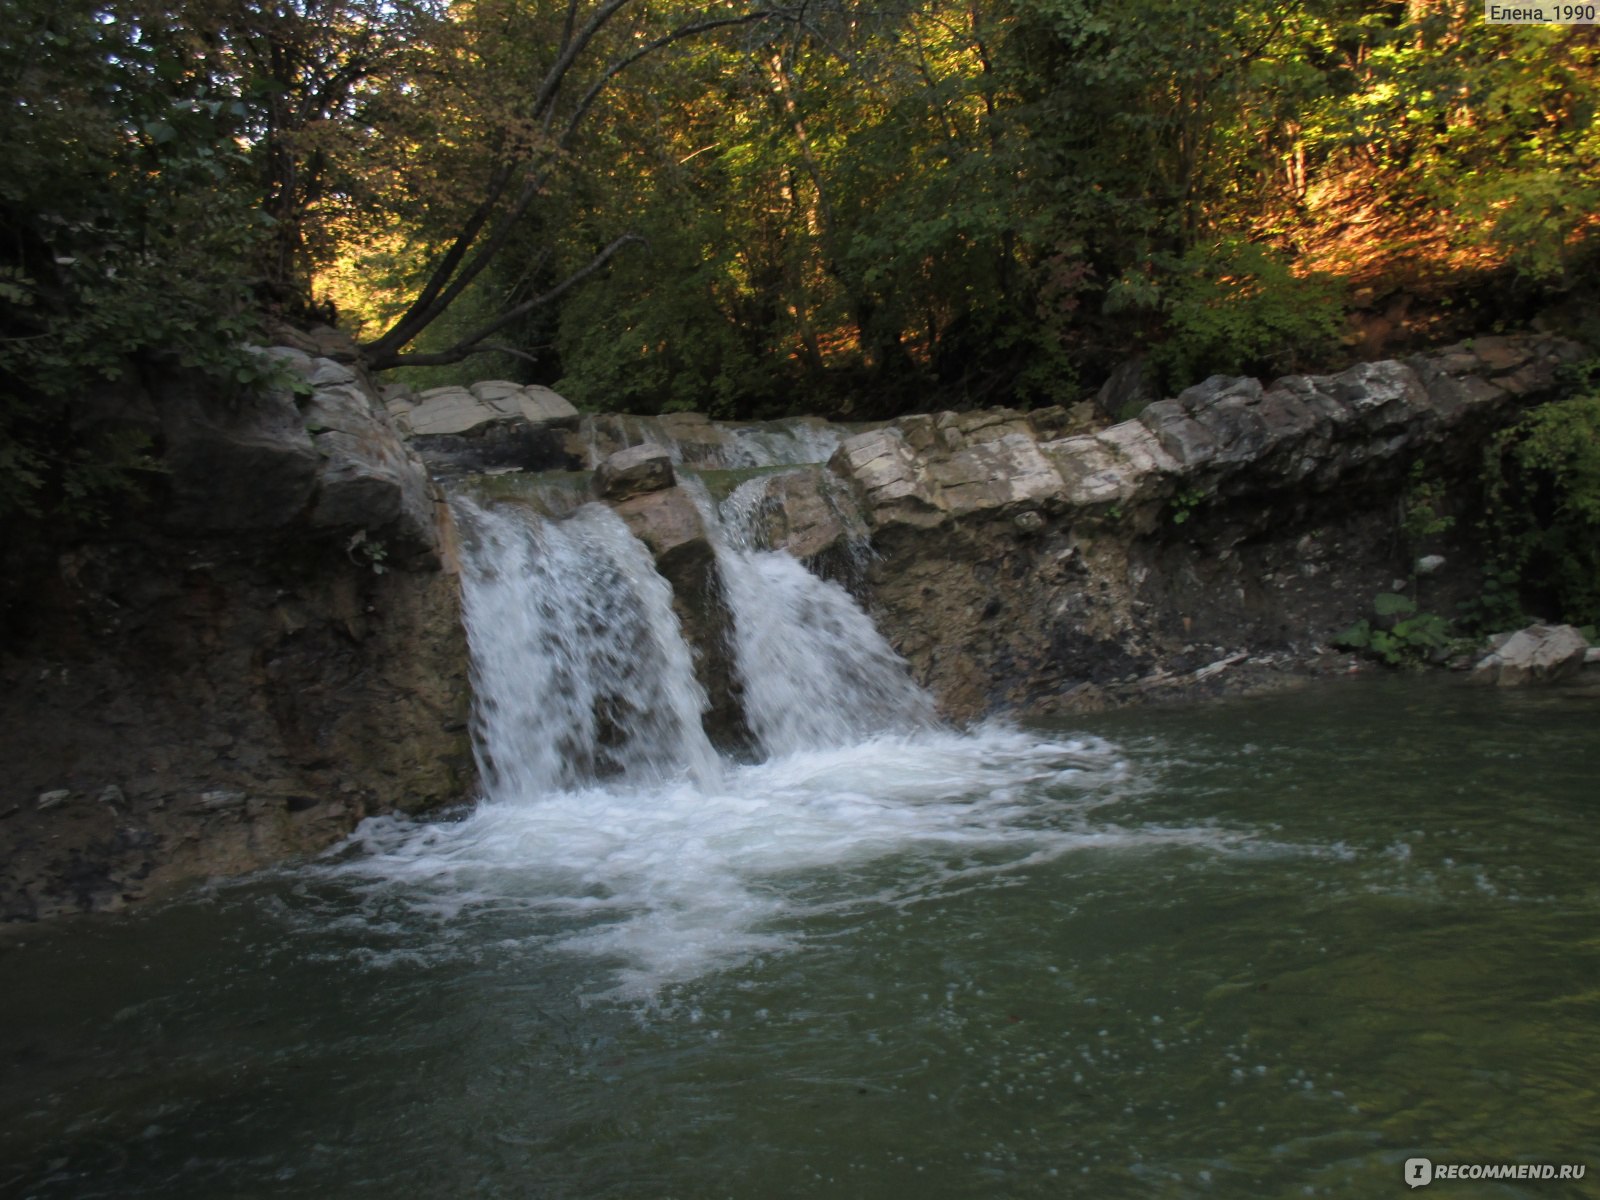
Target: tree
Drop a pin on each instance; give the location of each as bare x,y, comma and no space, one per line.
524,152
127,221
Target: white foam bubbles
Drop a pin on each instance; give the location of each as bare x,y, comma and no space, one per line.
665,883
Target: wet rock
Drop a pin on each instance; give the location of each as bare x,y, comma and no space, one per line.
1537,654
634,472
669,523
113,795
235,462
804,512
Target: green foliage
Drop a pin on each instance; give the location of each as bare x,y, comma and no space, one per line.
1234,308
1184,504
129,223
1422,512
1542,481
659,338
368,552
867,209
1399,635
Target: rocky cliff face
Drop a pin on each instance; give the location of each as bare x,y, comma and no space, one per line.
274,650
1224,536
270,652
1238,523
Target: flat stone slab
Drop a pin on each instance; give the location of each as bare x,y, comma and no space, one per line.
449,411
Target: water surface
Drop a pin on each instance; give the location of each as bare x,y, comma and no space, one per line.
1258,948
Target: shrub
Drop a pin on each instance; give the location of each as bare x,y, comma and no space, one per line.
1234,308
1542,479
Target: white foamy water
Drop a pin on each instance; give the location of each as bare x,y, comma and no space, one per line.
611,830
580,671
814,670
665,884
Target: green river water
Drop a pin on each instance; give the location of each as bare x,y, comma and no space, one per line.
1258,948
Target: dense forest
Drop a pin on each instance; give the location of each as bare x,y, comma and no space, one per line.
751,209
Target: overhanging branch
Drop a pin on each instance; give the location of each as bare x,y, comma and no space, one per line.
490,226
474,343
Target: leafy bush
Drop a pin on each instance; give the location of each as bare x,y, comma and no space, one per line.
1234,308
1542,480
129,224
1401,636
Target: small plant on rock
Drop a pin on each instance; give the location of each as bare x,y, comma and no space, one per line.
1399,634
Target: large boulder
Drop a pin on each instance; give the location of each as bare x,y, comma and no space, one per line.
478,408
634,472
235,462
491,424
1537,654
804,512
368,480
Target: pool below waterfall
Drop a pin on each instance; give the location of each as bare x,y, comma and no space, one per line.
1260,948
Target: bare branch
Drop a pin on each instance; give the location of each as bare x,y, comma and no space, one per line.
469,345
570,52
425,309
474,249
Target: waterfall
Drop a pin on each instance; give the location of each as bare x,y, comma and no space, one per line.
611,830
814,670
580,672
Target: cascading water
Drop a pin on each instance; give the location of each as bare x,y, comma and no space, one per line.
610,827
579,669
815,671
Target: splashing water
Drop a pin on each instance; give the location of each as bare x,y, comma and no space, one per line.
580,671
611,829
815,671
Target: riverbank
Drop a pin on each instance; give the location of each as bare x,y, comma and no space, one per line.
276,653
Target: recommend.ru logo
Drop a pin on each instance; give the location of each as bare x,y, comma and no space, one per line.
1422,1171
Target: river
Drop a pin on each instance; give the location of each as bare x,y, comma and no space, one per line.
1258,948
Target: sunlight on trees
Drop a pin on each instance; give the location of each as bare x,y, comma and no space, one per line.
744,207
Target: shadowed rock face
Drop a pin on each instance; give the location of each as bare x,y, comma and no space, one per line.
1019,569
490,425
270,652
1233,529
